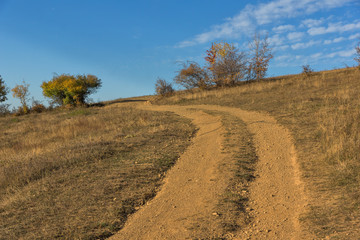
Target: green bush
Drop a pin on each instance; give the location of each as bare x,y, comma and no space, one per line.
69,89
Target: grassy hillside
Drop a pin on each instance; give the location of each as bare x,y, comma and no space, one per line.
78,174
323,113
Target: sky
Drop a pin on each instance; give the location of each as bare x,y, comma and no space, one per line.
129,44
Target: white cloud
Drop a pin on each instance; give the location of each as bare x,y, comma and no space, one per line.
336,40
283,28
312,22
297,60
281,48
268,12
304,45
346,53
317,31
246,22
334,27
185,44
282,58
339,39
276,40
333,3
343,53
354,36
316,56
295,36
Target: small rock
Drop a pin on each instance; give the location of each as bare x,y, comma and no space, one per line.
215,214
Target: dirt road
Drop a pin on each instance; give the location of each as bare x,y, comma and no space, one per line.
184,208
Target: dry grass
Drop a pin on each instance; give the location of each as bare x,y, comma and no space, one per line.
78,174
323,113
232,208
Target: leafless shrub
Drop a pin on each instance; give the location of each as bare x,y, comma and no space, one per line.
163,88
37,107
226,64
307,70
4,109
231,69
357,58
3,90
192,76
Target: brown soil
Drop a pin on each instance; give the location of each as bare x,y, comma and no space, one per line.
184,208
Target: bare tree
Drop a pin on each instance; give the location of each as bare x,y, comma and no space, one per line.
192,76
3,90
163,88
261,54
22,92
226,63
307,70
230,69
357,58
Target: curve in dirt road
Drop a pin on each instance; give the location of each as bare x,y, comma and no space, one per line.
184,207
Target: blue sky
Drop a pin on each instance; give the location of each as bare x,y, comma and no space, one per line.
128,44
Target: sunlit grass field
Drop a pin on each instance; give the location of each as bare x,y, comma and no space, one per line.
78,174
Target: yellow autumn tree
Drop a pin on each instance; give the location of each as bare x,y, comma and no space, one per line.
68,89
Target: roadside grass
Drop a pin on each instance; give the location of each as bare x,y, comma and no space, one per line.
78,174
234,213
323,113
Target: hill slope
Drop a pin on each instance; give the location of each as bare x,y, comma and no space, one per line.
322,112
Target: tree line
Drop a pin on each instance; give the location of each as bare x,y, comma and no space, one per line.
64,89
225,66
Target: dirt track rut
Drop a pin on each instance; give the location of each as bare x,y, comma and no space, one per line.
193,186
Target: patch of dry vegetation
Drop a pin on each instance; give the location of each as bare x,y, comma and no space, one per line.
78,174
233,209
323,113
